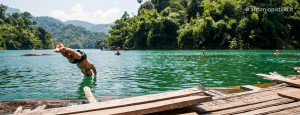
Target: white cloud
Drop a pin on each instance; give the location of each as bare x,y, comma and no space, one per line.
96,17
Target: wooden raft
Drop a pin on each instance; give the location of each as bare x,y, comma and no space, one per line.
264,101
156,102
281,99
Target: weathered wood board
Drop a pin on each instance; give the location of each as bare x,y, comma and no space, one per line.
272,109
214,93
122,102
249,87
276,78
252,107
295,83
239,101
152,107
292,111
292,94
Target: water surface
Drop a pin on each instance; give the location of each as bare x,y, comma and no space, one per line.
137,72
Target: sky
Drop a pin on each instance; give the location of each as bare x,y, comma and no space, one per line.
93,11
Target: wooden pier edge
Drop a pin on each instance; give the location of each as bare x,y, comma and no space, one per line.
152,107
121,102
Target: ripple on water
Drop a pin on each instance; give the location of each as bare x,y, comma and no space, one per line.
138,72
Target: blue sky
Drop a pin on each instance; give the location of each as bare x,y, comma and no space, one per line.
94,11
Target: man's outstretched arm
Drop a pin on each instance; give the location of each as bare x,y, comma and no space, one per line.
83,72
62,49
94,70
72,52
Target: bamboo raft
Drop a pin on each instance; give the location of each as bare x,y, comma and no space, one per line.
283,98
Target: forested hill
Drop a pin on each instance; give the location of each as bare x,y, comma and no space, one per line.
13,10
210,24
89,26
17,32
70,35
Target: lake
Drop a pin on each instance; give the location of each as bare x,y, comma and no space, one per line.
135,72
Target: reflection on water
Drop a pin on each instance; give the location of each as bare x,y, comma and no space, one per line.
137,72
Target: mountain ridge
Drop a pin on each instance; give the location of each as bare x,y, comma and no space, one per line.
68,34
90,26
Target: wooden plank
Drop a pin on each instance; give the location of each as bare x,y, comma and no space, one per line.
122,102
89,95
152,107
218,92
295,83
273,88
276,78
238,101
292,111
209,93
214,93
272,109
249,87
253,107
292,94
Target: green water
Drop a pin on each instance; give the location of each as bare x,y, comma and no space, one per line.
137,72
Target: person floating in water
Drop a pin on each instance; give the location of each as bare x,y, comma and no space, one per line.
118,53
203,53
276,52
79,57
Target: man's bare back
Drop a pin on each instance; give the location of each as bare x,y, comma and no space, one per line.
79,58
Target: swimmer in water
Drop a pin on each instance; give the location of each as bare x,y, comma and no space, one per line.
118,53
276,52
79,57
203,53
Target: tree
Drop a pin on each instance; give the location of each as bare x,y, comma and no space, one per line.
125,16
26,15
17,32
193,8
160,5
2,11
140,1
211,24
146,6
